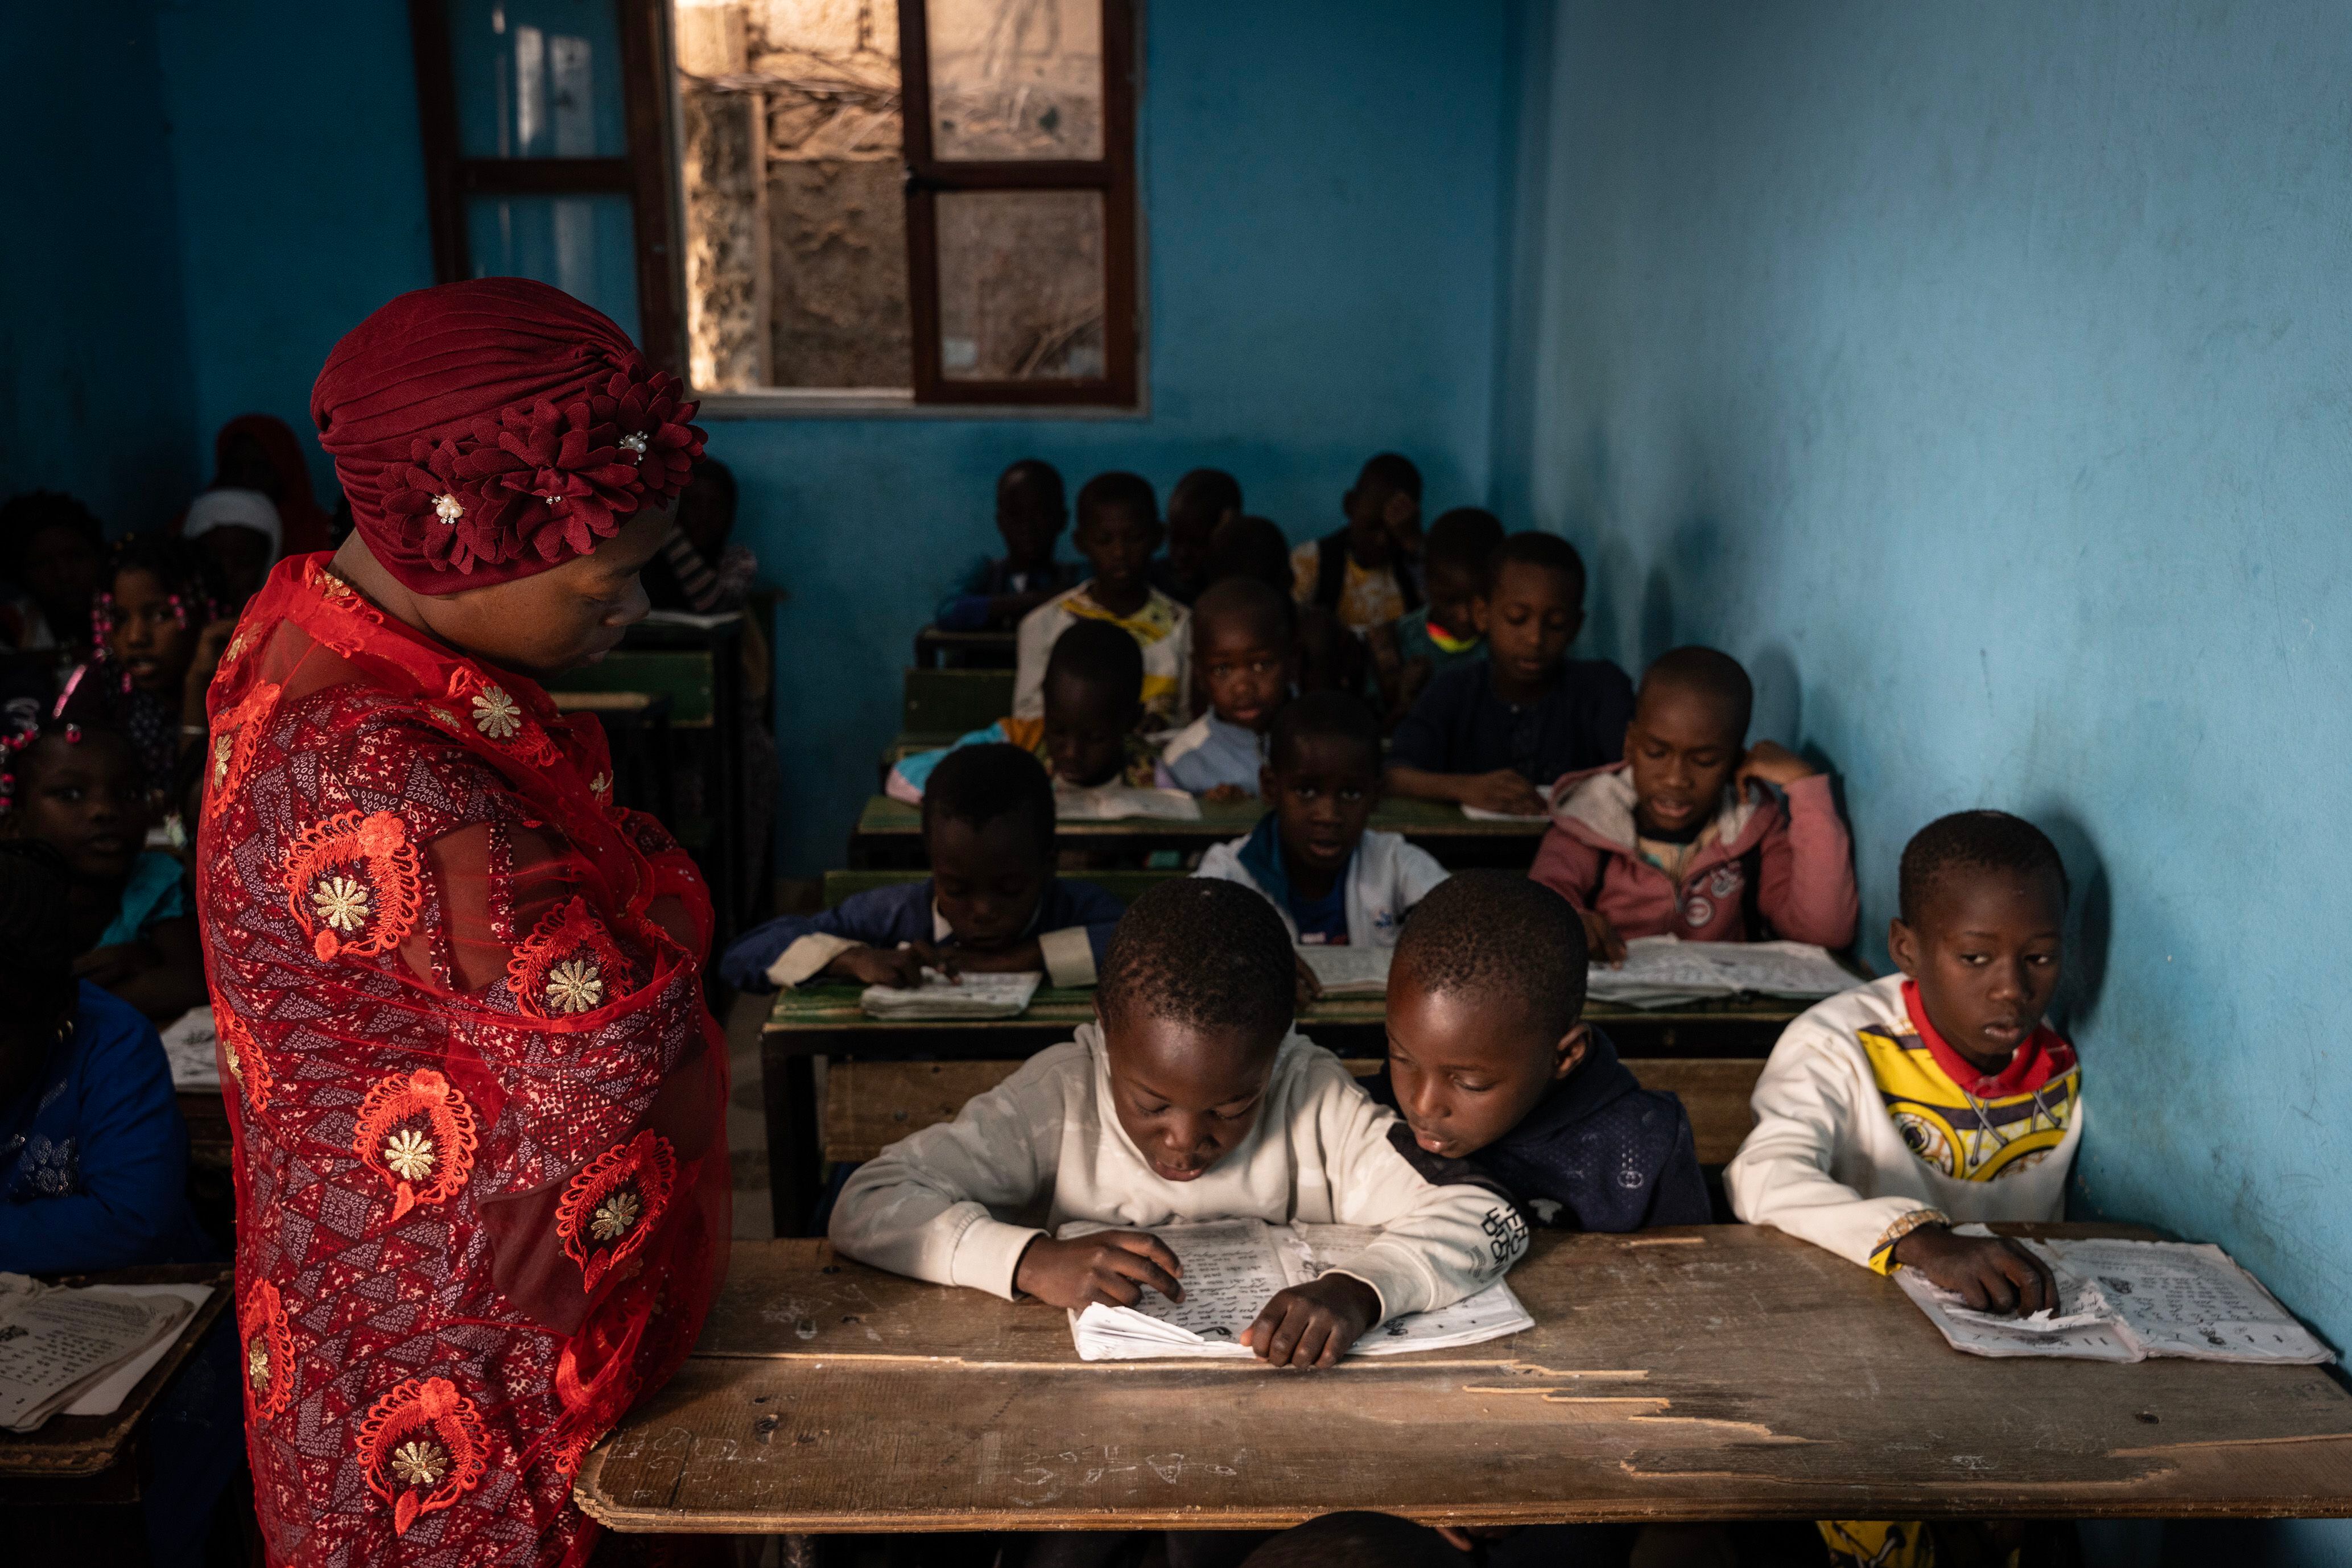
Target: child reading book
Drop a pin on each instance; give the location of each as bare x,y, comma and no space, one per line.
1443,633
1935,1096
1189,1099
1331,878
997,591
1495,734
1687,835
1119,527
1243,658
1089,732
1490,1061
992,903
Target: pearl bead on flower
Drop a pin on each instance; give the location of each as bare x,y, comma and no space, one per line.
634,443
448,509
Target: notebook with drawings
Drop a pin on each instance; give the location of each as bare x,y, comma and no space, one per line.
1233,1268
2128,1300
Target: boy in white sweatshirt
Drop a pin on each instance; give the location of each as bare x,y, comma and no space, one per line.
1332,877
1189,1099
1938,1096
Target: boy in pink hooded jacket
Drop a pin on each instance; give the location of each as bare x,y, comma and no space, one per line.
1684,838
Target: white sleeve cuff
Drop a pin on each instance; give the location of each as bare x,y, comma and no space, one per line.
1069,956
987,1255
807,958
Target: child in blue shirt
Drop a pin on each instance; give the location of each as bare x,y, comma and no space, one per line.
996,592
1243,657
991,905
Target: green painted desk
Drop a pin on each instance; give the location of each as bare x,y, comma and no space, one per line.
825,1021
1699,1373
890,835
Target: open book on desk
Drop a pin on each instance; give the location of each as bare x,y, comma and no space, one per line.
1233,1268
1347,970
1664,971
82,1350
966,997
1120,802
2128,1300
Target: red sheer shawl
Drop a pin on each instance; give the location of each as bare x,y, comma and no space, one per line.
483,1195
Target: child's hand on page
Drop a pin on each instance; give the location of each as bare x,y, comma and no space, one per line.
1314,1324
1504,790
1112,1267
899,966
1601,938
1991,1273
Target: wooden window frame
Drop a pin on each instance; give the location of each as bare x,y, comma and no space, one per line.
1113,174
642,174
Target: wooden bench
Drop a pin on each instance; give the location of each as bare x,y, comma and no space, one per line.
952,701
870,1105
966,651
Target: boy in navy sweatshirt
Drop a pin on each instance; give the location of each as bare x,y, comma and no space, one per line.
1490,1061
991,904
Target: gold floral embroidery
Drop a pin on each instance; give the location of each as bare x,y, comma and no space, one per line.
496,714
614,1216
341,903
223,744
575,985
257,1365
444,716
409,1154
419,1464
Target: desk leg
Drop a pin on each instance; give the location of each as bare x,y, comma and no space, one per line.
789,1085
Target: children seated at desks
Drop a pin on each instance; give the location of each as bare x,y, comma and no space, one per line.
1202,499
1443,633
1494,732
126,914
1683,837
991,904
1089,733
1330,878
1935,1096
1330,657
1364,573
1189,1099
1490,1061
1243,658
1119,527
993,590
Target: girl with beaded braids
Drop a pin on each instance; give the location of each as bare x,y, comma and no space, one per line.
159,639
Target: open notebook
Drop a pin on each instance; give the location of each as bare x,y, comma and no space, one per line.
1119,803
2128,1300
1663,971
1233,1268
82,1350
966,997
1348,971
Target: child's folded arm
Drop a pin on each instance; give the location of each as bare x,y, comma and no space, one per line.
1805,1103
1567,866
921,1207
133,1164
1806,880
1439,1243
1084,918
793,950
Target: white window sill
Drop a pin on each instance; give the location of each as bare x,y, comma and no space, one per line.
890,403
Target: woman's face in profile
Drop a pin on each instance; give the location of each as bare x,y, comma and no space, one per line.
561,618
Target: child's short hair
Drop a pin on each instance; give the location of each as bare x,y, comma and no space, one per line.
1097,654
1973,841
28,515
1500,933
1319,715
185,572
1536,548
1120,491
1243,599
979,784
1034,471
35,955
1463,540
1205,953
1708,673
1251,547
1391,470
1214,490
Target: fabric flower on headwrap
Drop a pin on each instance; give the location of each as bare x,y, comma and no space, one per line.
487,430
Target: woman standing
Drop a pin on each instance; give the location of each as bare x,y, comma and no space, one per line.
481,1174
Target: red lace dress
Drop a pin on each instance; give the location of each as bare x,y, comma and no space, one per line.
482,1186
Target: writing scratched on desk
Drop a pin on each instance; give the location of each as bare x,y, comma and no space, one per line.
1041,1477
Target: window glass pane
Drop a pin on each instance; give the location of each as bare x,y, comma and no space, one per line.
537,78
585,245
1015,79
1021,285
795,209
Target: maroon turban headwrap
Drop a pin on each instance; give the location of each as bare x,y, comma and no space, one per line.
486,430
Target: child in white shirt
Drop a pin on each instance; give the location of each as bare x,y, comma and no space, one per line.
1190,1100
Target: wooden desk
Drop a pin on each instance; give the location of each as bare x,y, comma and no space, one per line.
966,651
889,834
825,1021
83,1446
1705,1372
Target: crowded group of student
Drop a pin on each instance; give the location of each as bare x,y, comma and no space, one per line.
1384,659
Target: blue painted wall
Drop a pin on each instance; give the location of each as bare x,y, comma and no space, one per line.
1325,187
1980,376
95,386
